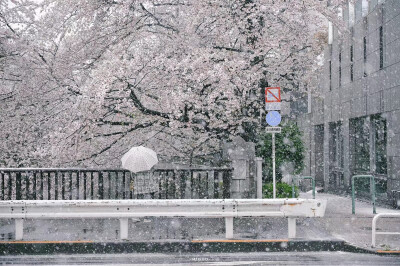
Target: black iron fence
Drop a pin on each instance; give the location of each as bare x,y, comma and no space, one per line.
81,184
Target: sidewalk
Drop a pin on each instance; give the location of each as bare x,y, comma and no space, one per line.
340,223
331,232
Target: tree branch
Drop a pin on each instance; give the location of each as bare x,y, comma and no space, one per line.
138,104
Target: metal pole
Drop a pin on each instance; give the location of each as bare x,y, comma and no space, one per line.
273,165
313,185
372,184
353,195
293,191
374,230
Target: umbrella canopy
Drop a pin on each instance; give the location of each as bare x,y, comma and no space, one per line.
139,159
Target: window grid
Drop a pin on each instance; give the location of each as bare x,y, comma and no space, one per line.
330,75
365,55
340,69
380,47
351,63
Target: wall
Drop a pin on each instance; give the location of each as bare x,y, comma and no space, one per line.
375,92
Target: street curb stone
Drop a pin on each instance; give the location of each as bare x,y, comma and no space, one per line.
18,248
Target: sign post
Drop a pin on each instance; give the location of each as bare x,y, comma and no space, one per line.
273,118
273,166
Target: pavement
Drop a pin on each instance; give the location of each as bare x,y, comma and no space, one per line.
255,258
355,229
339,231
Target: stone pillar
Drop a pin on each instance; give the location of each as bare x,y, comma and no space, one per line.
259,177
241,156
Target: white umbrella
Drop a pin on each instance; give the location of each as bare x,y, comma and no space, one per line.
139,159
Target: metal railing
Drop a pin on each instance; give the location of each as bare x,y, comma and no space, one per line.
353,193
178,208
86,184
303,177
374,221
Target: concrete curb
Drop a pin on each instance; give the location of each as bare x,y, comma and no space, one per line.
204,246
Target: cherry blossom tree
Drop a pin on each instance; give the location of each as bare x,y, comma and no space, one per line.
179,76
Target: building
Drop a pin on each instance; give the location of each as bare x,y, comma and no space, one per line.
353,125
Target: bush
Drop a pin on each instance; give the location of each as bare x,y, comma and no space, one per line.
289,149
283,190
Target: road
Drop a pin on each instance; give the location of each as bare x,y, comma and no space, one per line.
270,258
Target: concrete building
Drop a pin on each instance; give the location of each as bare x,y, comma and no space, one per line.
353,125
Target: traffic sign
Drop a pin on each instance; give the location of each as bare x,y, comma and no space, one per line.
273,94
272,106
273,118
273,130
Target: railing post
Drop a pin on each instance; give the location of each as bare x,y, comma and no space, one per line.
374,230
229,227
375,220
18,186
19,229
291,227
124,228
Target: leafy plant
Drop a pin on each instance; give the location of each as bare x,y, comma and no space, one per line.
289,148
283,190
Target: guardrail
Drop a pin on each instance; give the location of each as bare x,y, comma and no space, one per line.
353,194
179,208
102,183
374,221
303,177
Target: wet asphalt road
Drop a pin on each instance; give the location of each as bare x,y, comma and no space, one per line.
271,258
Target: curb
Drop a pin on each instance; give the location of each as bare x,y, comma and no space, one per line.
195,246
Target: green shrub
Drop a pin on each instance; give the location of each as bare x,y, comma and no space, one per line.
283,190
289,149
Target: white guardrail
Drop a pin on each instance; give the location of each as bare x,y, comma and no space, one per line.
178,208
375,219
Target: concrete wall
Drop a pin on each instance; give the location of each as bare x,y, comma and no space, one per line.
375,92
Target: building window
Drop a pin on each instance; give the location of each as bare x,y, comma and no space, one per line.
319,155
359,145
379,132
368,151
336,144
330,75
351,63
380,47
365,56
340,69
336,155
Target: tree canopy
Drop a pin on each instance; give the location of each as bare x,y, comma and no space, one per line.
82,81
